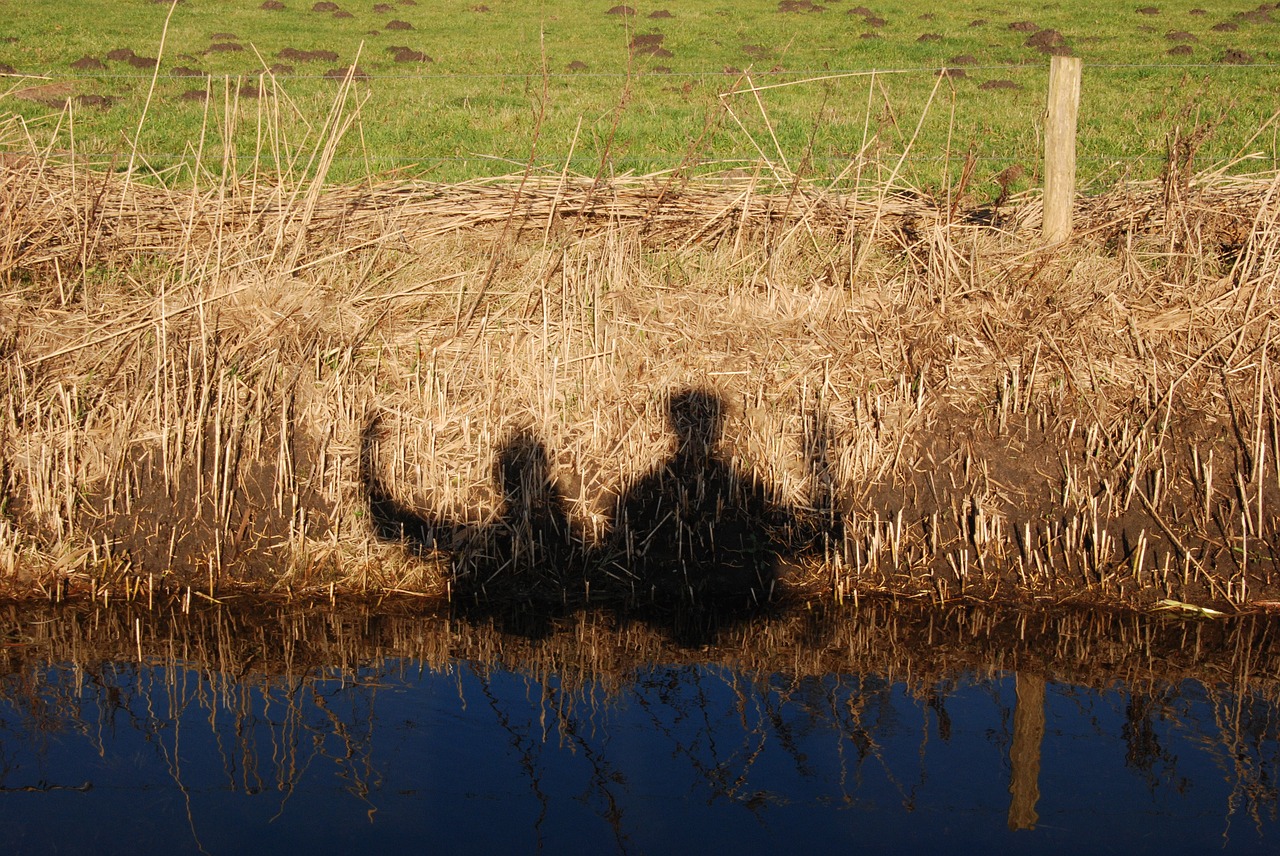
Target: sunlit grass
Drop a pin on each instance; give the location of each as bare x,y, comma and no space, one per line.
555,84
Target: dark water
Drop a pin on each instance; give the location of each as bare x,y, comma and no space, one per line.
332,734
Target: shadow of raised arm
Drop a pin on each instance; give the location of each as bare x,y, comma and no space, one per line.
528,559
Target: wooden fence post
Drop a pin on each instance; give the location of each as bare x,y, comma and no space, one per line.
1060,147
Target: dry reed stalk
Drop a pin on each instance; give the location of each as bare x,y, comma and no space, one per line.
970,418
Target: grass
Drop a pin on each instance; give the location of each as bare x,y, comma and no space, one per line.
499,91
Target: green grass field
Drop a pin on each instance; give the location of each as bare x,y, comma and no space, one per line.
559,85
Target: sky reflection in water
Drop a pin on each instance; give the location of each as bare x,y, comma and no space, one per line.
468,757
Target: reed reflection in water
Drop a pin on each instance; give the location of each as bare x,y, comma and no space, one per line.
885,730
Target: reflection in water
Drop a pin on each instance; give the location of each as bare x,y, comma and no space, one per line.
243,732
1024,755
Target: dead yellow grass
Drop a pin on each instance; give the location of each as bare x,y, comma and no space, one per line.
189,376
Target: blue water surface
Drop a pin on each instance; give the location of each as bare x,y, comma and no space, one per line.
678,758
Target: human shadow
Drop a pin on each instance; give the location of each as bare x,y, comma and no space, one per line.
523,568
702,542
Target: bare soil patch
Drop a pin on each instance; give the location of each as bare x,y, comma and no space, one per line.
120,54
296,55
409,55
621,10
1257,16
793,6
660,13
51,94
273,6
356,72
577,65
88,63
1024,27
1233,56
1180,36
1181,50
1225,27
929,37
1046,39
325,6
398,25
225,47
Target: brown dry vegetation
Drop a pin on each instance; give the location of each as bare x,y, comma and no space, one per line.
204,386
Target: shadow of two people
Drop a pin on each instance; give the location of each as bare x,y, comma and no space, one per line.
691,545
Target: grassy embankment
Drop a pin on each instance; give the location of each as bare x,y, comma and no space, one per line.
574,85
207,377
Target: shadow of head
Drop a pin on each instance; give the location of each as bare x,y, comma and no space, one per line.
697,417
522,470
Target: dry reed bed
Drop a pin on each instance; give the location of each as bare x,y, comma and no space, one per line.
190,378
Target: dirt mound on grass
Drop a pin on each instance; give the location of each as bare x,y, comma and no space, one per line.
296,55
356,72
1046,40
791,6
88,63
100,102
409,55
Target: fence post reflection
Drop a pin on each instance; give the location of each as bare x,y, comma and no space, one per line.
1024,756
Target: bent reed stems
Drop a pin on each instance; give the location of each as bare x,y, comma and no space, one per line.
193,360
